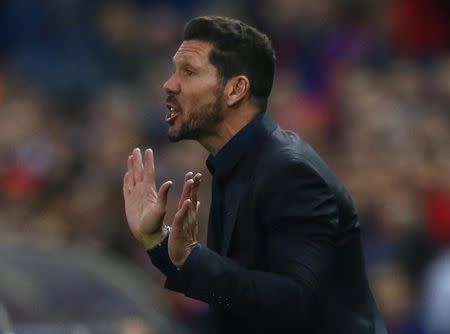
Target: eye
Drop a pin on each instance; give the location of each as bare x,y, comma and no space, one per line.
188,71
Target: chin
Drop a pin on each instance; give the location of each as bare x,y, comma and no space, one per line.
174,136
174,139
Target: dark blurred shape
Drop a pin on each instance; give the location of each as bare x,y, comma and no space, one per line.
437,212
420,27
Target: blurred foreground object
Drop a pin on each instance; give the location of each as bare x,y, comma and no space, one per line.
76,289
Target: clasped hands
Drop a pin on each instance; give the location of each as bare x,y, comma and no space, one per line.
145,207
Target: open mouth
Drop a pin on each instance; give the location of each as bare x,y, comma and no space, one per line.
172,114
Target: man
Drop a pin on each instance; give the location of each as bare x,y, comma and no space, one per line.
284,252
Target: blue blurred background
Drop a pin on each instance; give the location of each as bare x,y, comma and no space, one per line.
367,83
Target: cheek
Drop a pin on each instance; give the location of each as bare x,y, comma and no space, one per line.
195,101
197,94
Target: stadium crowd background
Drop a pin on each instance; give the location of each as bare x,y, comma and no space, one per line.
367,83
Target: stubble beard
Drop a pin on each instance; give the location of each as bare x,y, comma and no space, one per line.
201,122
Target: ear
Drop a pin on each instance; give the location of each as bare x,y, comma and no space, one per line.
237,88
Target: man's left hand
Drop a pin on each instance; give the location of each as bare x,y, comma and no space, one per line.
184,231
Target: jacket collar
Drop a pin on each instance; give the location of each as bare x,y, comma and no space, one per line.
221,164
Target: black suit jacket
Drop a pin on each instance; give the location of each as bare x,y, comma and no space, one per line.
291,257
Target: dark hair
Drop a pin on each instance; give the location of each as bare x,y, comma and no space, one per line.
238,49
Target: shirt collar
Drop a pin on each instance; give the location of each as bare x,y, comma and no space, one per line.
223,162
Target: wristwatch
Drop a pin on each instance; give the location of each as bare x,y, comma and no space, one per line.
166,229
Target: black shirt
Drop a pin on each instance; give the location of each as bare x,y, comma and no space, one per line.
221,167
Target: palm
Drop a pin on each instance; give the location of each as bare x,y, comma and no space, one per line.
142,210
144,207
183,236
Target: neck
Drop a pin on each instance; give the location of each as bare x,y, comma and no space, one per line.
226,130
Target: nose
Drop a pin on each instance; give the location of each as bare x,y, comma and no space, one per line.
171,86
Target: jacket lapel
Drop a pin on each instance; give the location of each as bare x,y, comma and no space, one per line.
238,186
229,220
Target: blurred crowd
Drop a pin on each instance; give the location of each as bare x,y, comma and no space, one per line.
367,83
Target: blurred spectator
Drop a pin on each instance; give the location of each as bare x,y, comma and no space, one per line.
436,299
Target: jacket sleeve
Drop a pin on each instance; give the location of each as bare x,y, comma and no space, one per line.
300,216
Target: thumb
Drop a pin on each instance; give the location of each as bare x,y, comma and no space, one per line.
163,192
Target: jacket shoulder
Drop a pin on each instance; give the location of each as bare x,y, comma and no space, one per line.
285,149
285,157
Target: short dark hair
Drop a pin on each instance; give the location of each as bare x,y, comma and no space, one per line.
238,49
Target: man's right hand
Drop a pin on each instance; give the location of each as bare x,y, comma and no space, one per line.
145,208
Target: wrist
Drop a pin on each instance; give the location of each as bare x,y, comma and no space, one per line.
152,240
180,263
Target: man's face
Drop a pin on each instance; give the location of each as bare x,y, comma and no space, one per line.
194,93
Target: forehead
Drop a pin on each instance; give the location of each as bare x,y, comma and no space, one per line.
193,51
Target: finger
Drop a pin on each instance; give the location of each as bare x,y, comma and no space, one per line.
193,212
195,187
163,193
127,180
149,166
127,183
138,166
186,193
188,176
131,170
181,215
